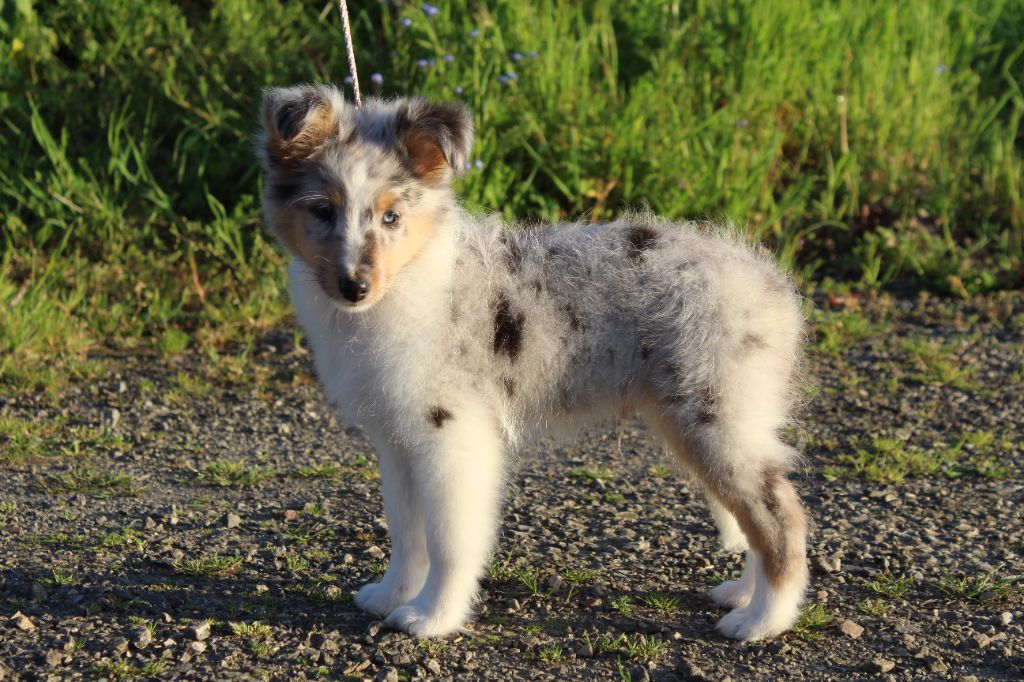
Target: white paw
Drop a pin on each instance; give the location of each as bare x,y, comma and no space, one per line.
379,598
411,619
733,593
750,623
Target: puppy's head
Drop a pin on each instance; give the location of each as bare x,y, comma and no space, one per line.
355,193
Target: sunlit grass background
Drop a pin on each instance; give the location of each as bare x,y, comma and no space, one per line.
873,143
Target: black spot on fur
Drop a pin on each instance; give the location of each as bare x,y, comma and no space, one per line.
706,414
646,346
438,416
508,328
639,238
574,320
510,386
753,342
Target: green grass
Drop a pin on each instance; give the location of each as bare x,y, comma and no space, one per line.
937,363
889,585
663,603
989,586
81,478
892,460
26,440
255,636
813,619
637,647
873,142
234,474
208,565
875,607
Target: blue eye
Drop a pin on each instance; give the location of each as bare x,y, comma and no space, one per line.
390,217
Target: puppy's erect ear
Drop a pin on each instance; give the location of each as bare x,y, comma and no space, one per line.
436,138
298,119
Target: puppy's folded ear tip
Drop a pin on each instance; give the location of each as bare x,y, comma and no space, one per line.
436,134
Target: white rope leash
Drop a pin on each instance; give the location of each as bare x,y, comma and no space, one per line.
343,11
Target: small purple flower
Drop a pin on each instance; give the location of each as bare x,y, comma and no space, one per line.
347,80
474,33
509,77
458,89
377,79
503,78
429,10
478,164
467,166
516,56
406,21
532,54
423,63
449,58
940,69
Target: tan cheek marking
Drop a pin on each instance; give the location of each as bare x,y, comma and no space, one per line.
419,229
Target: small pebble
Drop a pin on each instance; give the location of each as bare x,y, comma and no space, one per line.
197,647
232,520
433,667
53,657
881,665
21,621
1005,617
141,637
851,629
387,674
200,631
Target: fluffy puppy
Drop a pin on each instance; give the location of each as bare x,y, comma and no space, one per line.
448,337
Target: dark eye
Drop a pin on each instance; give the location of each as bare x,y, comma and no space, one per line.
390,217
323,212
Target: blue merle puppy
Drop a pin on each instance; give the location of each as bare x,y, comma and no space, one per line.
449,337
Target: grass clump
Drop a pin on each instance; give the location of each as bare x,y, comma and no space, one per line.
813,620
938,363
255,636
208,565
891,460
86,479
234,474
988,586
663,603
889,585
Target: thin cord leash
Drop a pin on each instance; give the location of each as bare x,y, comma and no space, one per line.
343,11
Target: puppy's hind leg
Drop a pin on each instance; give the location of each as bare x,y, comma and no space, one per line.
407,569
729,532
457,477
747,476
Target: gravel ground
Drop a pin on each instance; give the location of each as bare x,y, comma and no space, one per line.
128,549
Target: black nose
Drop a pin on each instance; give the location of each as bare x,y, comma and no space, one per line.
353,290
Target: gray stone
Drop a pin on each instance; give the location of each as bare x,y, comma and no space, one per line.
232,520
388,673
880,665
141,637
851,629
199,631
1005,617
54,657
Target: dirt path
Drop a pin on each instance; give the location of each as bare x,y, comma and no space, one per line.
142,505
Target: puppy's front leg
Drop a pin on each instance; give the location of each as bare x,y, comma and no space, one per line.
458,478
407,569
